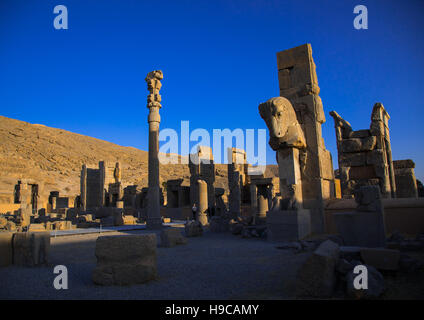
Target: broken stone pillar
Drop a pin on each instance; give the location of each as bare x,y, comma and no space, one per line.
237,176
406,183
202,201
253,197
202,167
287,220
364,227
365,156
154,220
299,83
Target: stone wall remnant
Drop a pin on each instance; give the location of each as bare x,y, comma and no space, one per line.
365,156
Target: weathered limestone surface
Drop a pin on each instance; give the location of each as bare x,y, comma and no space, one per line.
317,277
364,227
125,260
31,248
299,83
171,237
6,251
406,183
365,156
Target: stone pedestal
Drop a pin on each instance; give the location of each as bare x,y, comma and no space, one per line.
364,227
202,201
288,225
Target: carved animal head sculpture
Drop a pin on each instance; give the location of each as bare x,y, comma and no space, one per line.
284,129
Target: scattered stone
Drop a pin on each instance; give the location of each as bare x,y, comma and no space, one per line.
171,237
193,229
31,248
317,277
382,259
125,260
343,266
375,285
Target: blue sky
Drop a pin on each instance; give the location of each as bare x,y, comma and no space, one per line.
219,63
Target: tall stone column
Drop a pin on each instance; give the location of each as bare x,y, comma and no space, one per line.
202,216
83,198
153,103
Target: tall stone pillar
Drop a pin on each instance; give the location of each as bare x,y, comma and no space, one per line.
83,198
154,220
202,201
253,198
262,204
298,82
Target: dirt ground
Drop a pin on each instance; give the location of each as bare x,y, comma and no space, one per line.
214,266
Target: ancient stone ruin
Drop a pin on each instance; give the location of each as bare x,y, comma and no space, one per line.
337,219
365,156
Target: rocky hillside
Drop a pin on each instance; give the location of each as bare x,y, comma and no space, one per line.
54,157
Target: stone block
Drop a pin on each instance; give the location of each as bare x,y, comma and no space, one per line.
6,249
31,248
193,229
360,133
351,145
382,259
288,225
364,229
125,260
353,159
36,227
171,237
375,285
376,157
317,276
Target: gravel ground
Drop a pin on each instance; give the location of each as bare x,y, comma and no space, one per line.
214,266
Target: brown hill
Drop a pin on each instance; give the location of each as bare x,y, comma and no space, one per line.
54,157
